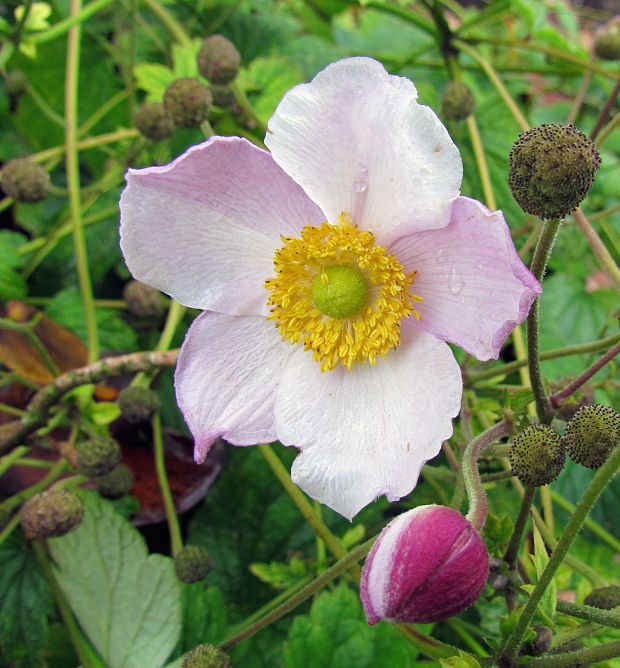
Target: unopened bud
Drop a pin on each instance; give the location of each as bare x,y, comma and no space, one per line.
219,60
143,301
607,42
206,656
138,404
25,181
537,455
605,598
592,434
98,455
458,102
115,484
552,168
188,102
15,82
223,96
427,565
542,642
192,563
55,512
153,122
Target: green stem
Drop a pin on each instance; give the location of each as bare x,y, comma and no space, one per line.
62,27
610,618
45,108
309,590
86,654
580,657
402,13
53,474
476,495
606,261
176,541
8,460
168,20
90,142
246,106
73,181
539,264
9,527
512,550
608,129
570,635
577,349
600,481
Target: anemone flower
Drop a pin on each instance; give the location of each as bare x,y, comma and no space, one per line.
332,270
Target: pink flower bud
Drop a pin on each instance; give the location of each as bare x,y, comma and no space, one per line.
428,564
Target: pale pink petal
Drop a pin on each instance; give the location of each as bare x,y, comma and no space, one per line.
474,286
205,227
356,140
368,431
226,378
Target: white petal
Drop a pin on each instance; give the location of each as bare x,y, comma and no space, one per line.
356,140
475,287
226,378
367,432
205,227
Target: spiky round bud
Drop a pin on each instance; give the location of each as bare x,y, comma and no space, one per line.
188,102
206,656
219,60
223,96
537,455
607,42
51,513
98,455
552,168
153,122
458,102
143,301
592,434
192,563
604,598
138,404
25,181
15,82
118,482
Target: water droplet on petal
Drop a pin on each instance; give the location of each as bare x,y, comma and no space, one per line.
455,282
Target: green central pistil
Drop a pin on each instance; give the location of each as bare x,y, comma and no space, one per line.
340,291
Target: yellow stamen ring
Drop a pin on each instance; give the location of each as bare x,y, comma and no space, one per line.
358,319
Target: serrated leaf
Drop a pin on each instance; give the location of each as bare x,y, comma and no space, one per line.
12,285
272,77
154,79
204,615
9,243
126,600
541,559
185,59
103,412
461,661
25,602
281,576
336,635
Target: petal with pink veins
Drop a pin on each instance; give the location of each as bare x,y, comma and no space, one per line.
474,286
356,140
226,379
205,227
367,432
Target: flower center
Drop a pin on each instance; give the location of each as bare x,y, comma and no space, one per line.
339,291
340,294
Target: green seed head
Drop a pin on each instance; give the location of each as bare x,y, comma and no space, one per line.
458,102
537,455
25,181
153,122
188,102
223,96
592,434
98,456
192,563
607,42
552,168
605,598
55,512
138,404
143,301
206,656
219,60
340,291
115,484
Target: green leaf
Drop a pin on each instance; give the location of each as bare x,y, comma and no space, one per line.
281,576
25,603
154,79
204,615
185,59
114,333
103,412
336,635
497,532
12,285
126,600
541,559
461,661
